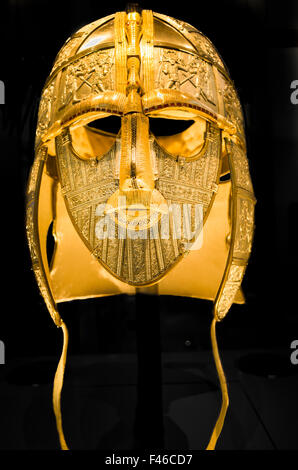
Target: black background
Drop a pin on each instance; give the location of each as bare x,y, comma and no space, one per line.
258,41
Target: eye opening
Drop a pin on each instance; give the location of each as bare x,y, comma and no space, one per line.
109,125
190,142
225,177
162,127
88,142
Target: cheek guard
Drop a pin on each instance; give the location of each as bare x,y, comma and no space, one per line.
133,209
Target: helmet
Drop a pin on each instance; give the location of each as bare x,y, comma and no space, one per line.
138,207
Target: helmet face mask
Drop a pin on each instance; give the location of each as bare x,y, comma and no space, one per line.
137,227
130,203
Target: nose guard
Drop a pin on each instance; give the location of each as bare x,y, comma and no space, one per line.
137,205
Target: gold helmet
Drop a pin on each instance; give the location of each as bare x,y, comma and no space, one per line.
138,210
